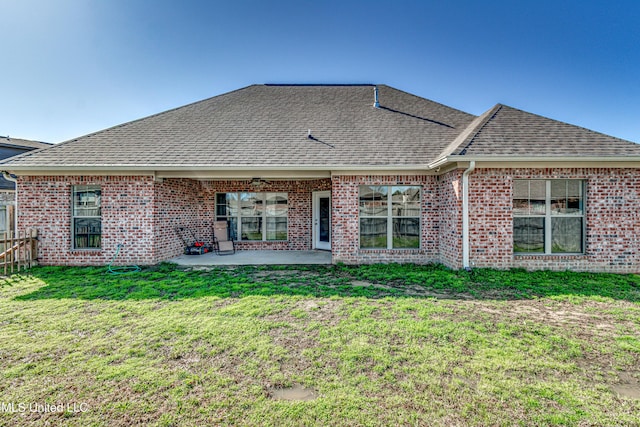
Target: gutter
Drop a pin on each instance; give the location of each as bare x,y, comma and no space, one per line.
531,159
465,214
13,178
191,167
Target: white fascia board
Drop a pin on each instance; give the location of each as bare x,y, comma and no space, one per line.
538,161
204,171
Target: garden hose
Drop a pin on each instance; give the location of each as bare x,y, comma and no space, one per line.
124,269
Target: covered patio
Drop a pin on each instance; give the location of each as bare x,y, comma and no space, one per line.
259,257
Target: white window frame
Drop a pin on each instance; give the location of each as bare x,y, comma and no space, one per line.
74,190
548,235
263,197
390,217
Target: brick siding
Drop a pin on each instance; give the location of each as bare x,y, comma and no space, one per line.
44,202
180,203
449,216
345,244
142,214
299,199
612,241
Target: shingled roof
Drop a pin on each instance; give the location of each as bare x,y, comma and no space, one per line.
22,143
268,125
318,127
507,131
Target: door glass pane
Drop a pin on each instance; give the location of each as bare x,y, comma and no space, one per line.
528,234
405,201
373,232
566,235
324,216
406,233
373,200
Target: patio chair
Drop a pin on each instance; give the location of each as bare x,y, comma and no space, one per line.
221,243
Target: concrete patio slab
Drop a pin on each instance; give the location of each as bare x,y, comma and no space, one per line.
256,258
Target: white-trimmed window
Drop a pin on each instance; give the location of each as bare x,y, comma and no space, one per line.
86,217
548,216
389,216
254,216
6,218
7,211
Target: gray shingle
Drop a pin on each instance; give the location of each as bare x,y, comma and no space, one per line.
508,131
268,125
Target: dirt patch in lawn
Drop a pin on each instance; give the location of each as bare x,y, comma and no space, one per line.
629,386
411,290
295,392
627,390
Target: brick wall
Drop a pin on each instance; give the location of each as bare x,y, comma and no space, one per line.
612,241
142,214
449,214
490,218
180,203
299,200
45,203
345,244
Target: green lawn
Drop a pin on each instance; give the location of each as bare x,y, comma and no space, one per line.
378,345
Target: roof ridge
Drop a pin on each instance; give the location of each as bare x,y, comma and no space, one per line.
467,134
489,116
321,84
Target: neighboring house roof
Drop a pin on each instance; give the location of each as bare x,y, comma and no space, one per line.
22,144
10,147
267,126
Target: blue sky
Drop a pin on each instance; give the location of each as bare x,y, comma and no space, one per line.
71,67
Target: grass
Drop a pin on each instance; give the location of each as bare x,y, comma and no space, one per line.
379,345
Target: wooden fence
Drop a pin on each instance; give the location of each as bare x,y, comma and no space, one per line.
18,250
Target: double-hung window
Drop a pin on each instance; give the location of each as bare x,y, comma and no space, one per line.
254,216
86,217
389,216
548,216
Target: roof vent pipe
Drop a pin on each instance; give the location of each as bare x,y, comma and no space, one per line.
376,103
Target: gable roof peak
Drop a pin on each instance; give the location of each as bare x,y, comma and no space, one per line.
465,138
510,132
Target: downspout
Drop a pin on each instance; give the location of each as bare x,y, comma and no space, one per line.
465,214
13,178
